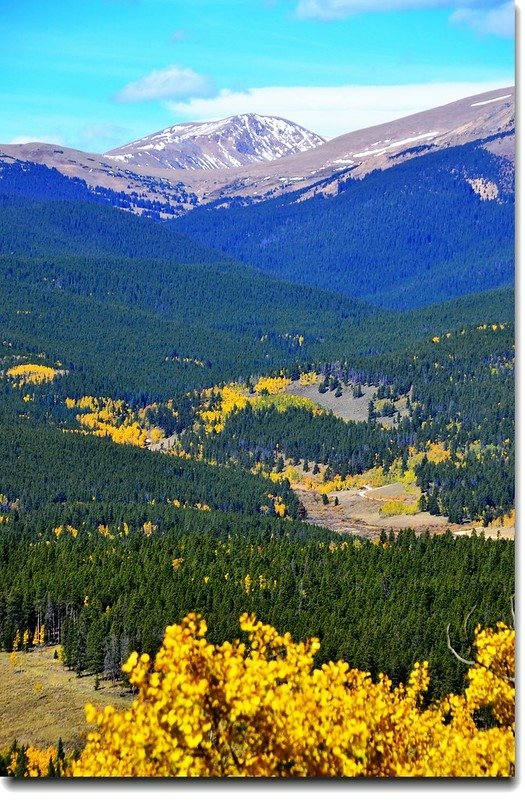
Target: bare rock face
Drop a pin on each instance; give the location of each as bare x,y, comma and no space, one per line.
231,142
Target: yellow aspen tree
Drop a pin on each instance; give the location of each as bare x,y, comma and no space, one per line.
261,710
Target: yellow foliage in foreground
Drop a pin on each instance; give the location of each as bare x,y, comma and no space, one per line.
37,762
262,710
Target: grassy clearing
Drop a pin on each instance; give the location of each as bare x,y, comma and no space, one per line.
41,701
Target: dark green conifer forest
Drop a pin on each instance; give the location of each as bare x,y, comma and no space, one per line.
107,543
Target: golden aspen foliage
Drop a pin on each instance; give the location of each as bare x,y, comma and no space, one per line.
61,529
105,416
308,378
279,507
149,527
373,478
282,402
37,762
218,402
436,453
491,678
392,508
272,385
494,327
31,373
261,709
214,414
156,434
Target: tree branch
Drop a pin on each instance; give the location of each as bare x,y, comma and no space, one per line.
460,658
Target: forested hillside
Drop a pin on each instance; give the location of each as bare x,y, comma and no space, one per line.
120,300
114,589
155,447
397,238
25,179
133,305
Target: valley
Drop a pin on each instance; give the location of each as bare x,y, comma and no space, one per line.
245,370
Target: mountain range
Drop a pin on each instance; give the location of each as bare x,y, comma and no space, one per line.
257,157
416,211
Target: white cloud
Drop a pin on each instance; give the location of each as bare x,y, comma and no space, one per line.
47,138
331,110
497,21
339,9
494,17
164,84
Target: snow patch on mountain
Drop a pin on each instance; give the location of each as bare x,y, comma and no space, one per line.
492,100
389,145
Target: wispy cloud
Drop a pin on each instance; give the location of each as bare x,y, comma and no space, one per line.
494,17
177,36
497,21
330,110
48,138
99,136
165,84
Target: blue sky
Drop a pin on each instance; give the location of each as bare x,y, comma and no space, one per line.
94,74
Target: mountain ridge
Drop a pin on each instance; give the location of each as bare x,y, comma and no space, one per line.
489,115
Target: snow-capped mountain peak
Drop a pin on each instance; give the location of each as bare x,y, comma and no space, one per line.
231,142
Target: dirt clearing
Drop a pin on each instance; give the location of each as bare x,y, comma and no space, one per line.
359,512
